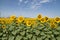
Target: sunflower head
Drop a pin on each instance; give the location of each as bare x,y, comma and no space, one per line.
52,25
57,19
17,22
28,23
3,26
12,17
46,18
20,19
39,17
43,20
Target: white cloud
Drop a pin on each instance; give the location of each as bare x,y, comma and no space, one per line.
35,3
35,6
20,0
44,1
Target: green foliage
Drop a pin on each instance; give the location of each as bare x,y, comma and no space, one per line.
21,32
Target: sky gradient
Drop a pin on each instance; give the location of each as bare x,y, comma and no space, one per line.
30,8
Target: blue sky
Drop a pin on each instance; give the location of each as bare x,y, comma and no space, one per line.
30,8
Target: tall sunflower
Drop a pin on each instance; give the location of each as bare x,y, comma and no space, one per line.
46,18
20,19
43,20
3,26
28,23
51,20
53,25
57,19
12,17
39,17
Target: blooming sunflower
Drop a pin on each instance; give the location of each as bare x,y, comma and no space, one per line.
53,25
28,23
57,19
43,20
3,26
2,22
51,20
46,18
20,19
17,22
12,17
39,17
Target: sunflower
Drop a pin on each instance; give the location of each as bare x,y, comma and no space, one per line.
51,20
8,21
28,23
46,18
3,26
2,22
20,19
0,19
39,17
12,17
53,25
43,20
17,22
57,19
33,19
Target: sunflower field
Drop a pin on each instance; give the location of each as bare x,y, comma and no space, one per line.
22,28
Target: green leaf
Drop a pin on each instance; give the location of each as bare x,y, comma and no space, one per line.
0,25
39,38
58,28
34,38
4,34
22,33
29,35
48,36
46,39
4,30
11,38
11,28
43,37
53,38
1,34
25,38
45,29
37,32
55,32
17,30
50,32
58,38
42,33
18,37
21,27
14,32
40,28
27,30
4,38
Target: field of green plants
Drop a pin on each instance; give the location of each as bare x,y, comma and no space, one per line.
21,28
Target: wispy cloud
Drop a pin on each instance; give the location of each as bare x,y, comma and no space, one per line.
26,2
35,3
38,3
20,0
44,1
